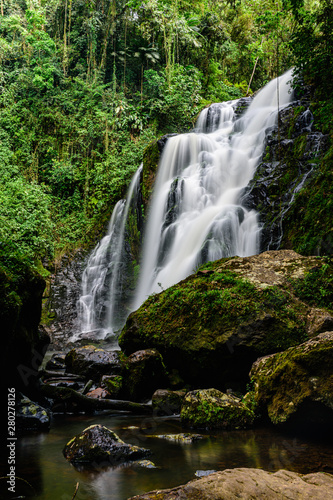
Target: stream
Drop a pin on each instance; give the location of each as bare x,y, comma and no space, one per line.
42,465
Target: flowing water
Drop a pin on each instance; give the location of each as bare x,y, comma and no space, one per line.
196,214
104,286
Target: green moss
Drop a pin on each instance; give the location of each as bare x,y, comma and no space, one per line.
209,408
151,158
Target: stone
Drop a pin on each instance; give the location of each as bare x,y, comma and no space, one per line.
30,416
247,484
93,362
166,402
212,326
98,445
295,387
113,384
56,362
212,409
144,373
182,438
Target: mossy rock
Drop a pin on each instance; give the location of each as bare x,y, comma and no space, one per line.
98,444
211,409
214,324
144,373
295,387
113,384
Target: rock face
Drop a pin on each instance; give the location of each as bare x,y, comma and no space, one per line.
211,409
289,165
97,444
296,386
93,362
23,344
213,325
232,484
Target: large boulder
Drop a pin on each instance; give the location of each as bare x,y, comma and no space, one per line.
214,324
93,362
211,409
98,444
232,484
166,402
296,386
144,373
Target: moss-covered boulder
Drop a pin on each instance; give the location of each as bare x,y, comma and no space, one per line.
144,373
166,402
98,444
93,362
212,409
295,387
213,325
113,384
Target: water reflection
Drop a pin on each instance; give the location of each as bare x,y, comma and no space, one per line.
43,465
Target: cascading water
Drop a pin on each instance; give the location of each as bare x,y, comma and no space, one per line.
105,281
196,213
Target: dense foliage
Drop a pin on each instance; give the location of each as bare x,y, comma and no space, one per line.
85,85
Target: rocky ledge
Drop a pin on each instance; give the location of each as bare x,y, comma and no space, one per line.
232,484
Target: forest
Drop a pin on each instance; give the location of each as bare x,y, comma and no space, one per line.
85,85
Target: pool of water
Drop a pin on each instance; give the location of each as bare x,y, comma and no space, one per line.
44,474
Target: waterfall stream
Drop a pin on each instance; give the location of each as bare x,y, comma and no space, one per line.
196,214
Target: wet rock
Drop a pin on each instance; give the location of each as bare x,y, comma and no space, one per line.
232,484
210,408
183,438
98,444
147,464
31,416
92,362
203,473
144,373
166,402
211,327
56,362
113,384
295,387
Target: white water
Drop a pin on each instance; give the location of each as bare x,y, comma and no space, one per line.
100,306
196,213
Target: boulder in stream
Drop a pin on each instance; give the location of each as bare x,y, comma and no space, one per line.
98,444
30,416
93,362
210,408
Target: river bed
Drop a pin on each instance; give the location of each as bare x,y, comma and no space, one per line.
48,476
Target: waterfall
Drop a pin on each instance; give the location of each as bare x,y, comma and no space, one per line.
105,280
196,213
